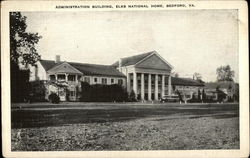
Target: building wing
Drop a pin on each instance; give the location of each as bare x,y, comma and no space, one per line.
98,70
85,69
47,64
185,82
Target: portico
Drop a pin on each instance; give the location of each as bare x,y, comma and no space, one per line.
146,75
149,86
65,77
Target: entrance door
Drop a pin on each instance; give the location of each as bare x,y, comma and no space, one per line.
153,96
72,95
62,94
146,96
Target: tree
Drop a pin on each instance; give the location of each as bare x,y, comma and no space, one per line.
236,94
199,95
197,76
22,43
203,95
176,74
132,96
224,73
22,52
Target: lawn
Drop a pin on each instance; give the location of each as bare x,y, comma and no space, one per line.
97,126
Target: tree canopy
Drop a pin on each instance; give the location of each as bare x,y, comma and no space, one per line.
224,73
22,43
197,76
22,52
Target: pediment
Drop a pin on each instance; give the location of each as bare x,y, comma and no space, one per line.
64,68
154,62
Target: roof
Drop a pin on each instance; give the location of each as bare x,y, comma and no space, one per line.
185,82
132,60
86,69
214,85
47,64
94,69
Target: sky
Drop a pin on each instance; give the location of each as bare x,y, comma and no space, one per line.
190,40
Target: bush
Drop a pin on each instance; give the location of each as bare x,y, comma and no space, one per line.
132,96
103,93
179,95
20,86
38,90
54,98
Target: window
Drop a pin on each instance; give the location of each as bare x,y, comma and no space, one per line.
95,80
71,78
72,93
52,77
104,81
112,80
79,78
60,77
120,82
159,79
87,79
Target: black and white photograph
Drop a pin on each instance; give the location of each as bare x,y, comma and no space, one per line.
130,77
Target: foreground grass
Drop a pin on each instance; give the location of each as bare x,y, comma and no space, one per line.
151,133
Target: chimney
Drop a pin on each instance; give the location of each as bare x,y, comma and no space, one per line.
57,59
120,64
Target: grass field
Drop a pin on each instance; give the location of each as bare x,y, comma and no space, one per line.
109,126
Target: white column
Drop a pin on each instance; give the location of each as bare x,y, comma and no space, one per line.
135,84
169,85
76,78
156,87
163,85
66,77
142,86
56,76
149,87
128,83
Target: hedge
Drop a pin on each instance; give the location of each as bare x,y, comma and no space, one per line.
103,93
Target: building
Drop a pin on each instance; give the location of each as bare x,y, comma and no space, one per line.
186,85
228,89
148,75
62,76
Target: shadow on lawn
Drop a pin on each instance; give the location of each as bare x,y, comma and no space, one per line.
42,118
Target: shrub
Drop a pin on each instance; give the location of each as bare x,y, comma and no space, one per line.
204,98
132,96
38,90
54,98
179,95
19,84
103,93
